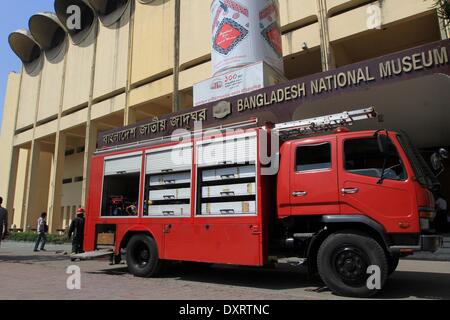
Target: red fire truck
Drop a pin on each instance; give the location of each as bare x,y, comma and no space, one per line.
338,201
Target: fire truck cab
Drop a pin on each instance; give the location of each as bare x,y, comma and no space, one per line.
337,202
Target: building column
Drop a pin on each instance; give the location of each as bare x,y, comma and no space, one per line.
55,194
66,216
31,186
12,179
129,116
328,62
176,58
90,143
444,27
90,147
18,204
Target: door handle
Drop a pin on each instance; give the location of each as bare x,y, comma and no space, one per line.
255,230
350,190
299,193
167,228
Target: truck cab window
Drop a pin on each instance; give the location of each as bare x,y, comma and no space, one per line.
363,157
121,187
314,157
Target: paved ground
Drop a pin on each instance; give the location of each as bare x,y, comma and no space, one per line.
27,275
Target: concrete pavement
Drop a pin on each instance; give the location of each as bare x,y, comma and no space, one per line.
28,275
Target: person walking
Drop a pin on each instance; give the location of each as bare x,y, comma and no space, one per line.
3,221
42,230
77,230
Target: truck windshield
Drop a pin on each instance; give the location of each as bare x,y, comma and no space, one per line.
422,171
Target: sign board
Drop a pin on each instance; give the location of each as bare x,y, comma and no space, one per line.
279,103
243,80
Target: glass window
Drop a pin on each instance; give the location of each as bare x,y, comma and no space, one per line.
314,157
363,157
121,187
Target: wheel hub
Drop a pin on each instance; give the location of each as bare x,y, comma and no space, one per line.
142,255
351,265
145,255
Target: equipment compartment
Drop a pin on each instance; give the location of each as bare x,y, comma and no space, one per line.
229,208
229,190
170,194
171,210
229,173
174,159
170,179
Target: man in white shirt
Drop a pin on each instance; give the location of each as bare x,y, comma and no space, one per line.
41,230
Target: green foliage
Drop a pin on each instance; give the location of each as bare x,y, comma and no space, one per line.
443,8
31,237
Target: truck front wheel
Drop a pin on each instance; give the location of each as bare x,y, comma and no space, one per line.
142,256
343,261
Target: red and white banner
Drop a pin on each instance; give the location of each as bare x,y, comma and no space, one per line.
245,32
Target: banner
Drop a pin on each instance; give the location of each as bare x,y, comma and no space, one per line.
245,32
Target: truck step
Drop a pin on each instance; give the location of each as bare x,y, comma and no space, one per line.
91,255
293,261
303,236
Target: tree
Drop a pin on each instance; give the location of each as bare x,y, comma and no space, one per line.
443,8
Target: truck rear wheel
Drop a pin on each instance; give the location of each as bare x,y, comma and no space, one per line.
343,261
142,256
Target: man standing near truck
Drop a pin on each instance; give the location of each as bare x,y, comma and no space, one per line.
77,230
3,221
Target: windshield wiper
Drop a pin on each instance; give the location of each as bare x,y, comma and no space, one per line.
382,177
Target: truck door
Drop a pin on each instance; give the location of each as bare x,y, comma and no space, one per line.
168,198
314,185
361,189
228,219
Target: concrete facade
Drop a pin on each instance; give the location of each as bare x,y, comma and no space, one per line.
124,72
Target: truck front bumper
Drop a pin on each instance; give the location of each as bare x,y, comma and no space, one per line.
431,243
428,242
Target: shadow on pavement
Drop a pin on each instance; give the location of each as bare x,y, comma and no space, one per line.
422,285
234,276
252,277
402,284
114,271
48,256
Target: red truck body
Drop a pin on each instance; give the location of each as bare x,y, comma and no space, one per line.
295,211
